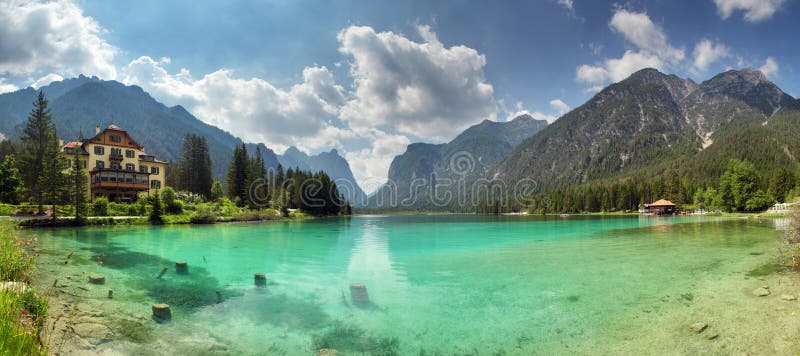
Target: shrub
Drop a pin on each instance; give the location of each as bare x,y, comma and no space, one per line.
204,215
171,203
6,209
100,207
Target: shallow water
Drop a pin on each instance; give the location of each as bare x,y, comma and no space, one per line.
437,284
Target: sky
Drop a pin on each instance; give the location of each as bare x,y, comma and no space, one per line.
370,77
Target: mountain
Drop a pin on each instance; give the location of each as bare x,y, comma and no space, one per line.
458,163
652,123
79,104
331,163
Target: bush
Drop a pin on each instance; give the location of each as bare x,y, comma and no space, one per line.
6,209
204,215
100,207
171,203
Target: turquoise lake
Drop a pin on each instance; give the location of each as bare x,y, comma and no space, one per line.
438,284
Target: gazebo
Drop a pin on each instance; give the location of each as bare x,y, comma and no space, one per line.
661,207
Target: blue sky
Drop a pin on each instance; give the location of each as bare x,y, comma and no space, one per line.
369,77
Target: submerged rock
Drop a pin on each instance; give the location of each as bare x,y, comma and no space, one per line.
326,352
698,327
711,335
788,297
761,292
94,333
97,279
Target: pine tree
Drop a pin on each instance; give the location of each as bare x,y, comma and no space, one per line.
237,176
194,168
9,180
216,191
54,182
38,145
78,180
157,210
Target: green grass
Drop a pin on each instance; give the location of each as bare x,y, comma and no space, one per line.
6,209
22,315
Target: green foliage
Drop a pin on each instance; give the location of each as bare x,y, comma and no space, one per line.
100,207
194,168
78,181
738,185
216,191
171,203
204,215
759,201
41,160
238,176
157,210
351,338
10,180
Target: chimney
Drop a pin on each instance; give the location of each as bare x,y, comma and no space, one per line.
97,129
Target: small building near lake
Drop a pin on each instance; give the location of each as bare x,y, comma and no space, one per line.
661,207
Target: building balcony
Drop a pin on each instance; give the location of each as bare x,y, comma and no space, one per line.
115,157
109,178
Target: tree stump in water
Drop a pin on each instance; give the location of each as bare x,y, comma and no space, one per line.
358,293
261,279
181,267
97,279
161,312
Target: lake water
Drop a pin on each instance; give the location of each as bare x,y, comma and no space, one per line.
437,284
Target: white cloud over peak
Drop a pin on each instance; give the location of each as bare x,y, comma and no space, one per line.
45,80
770,67
5,87
251,108
754,10
417,88
560,106
653,50
50,37
705,53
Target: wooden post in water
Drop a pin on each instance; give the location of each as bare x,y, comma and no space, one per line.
161,312
110,293
219,297
261,279
181,267
358,293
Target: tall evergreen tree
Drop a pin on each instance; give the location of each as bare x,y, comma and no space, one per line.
54,182
194,168
39,150
157,210
237,176
78,182
9,180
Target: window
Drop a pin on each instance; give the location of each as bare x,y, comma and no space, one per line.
129,153
115,165
84,164
99,150
115,138
130,167
100,164
154,170
144,169
69,163
116,151
69,150
155,183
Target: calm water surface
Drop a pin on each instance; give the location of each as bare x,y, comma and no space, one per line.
437,284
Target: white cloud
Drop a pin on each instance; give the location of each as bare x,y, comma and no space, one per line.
754,10
5,87
637,28
419,88
654,51
519,109
770,67
560,106
567,4
370,165
706,53
250,108
45,80
52,37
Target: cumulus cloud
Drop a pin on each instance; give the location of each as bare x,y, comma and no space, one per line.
754,10
6,87
47,79
419,88
560,106
567,4
370,165
770,67
706,53
52,37
250,108
653,50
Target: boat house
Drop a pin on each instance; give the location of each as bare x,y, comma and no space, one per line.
661,207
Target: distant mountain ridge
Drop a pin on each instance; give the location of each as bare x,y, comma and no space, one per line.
651,123
465,159
79,104
331,163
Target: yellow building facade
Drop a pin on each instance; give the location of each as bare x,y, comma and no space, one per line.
117,167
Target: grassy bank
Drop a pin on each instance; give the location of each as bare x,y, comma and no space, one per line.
22,310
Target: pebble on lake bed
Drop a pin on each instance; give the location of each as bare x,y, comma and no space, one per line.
358,293
162,312
260,279
97,279
711,335
326,352
761,292
181,267
698,327
788,297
